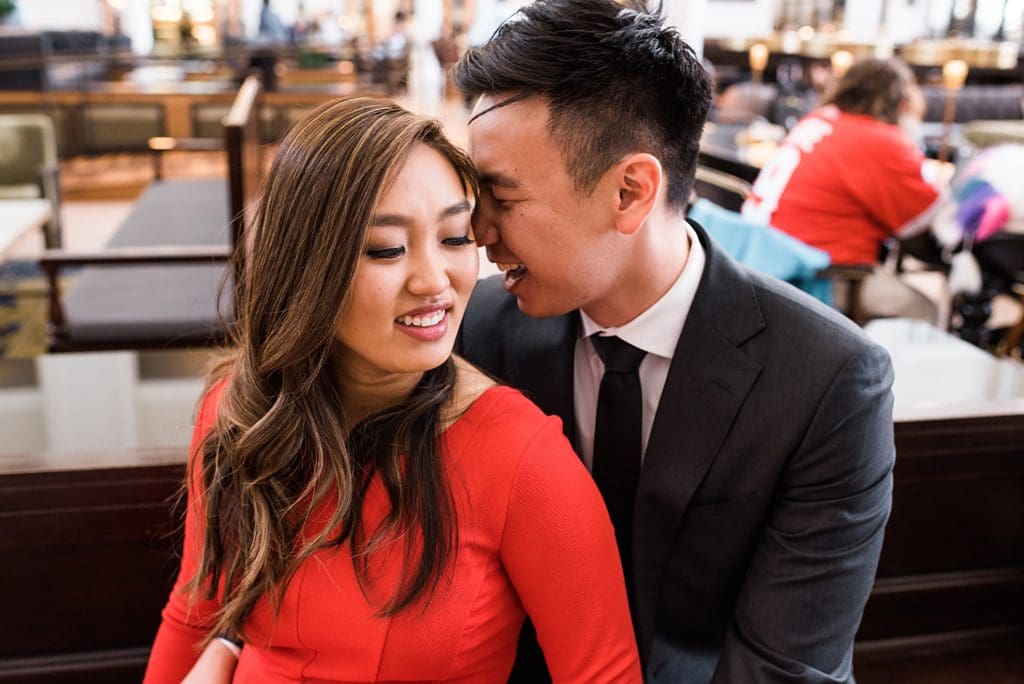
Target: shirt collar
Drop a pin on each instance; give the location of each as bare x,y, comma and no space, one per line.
657,329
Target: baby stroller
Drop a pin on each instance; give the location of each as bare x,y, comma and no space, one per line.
982,232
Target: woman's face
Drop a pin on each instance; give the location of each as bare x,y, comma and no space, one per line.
415,275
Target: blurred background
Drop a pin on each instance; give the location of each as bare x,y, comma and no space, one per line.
131,145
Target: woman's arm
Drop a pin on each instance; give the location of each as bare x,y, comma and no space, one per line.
559,549
216,665
186,620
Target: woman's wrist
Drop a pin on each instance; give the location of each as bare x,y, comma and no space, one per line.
233,645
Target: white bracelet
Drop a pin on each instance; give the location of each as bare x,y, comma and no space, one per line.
235,649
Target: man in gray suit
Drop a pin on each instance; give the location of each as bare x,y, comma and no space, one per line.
745,446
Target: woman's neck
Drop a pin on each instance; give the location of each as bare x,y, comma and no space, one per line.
363,395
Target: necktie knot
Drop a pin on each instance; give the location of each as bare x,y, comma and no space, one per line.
618,355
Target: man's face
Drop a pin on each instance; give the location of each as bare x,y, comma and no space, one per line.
554,245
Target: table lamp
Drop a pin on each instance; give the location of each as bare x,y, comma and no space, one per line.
841,61
758,60
954,73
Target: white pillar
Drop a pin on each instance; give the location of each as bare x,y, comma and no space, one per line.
862,19
137,24
89,400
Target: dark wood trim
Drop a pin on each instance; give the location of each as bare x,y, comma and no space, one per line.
940,603
88,558
111,667
157,254
935,644
951,573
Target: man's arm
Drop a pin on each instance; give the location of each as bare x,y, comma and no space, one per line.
804,592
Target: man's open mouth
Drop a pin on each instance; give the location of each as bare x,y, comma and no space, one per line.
513,272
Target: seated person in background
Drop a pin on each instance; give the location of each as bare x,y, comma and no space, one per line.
362,505
848,177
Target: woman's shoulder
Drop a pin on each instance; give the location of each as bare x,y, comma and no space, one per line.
210,399
480,400
503,423
209,407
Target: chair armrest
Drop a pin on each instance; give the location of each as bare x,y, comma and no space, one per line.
851,272
57,258
52,260
852,275
49,189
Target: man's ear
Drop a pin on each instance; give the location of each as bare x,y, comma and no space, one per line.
639,178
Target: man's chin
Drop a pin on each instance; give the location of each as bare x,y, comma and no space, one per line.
538,309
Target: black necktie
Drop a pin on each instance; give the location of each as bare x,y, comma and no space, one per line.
618,436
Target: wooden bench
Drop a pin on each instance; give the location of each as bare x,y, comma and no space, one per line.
951,575
89,555
156,283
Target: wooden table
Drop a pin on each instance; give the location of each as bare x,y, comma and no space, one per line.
178,99
720,150
18,217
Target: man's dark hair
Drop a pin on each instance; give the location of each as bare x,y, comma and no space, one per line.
615,81
873,87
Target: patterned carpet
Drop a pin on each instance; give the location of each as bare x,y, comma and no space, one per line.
23,315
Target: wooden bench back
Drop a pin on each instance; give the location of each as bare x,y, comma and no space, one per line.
245,163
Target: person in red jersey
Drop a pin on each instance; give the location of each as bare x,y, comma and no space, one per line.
848,177
362,505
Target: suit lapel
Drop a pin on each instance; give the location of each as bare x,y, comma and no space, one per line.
708,380
541,361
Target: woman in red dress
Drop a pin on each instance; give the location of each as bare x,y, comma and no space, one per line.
362,505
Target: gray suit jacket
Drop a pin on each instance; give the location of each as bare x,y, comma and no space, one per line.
766,483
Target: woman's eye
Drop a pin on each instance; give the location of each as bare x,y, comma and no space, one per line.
389,253
458,241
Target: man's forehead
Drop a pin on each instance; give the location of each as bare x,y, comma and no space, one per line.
504,102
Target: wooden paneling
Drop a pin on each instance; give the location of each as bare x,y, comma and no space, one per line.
952,568
87,560
88,557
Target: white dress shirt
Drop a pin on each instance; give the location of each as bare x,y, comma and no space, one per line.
656,331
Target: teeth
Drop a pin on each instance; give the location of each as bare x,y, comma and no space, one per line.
513,272
422,321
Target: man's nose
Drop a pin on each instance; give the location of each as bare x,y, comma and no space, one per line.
484,229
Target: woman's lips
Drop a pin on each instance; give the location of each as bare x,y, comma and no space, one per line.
426,327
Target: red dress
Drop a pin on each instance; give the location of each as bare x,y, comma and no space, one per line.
534,538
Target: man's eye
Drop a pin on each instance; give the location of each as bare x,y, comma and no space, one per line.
457,241
389,253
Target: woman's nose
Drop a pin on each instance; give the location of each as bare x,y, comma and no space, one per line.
430,274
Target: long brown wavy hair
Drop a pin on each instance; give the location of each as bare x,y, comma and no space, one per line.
281,447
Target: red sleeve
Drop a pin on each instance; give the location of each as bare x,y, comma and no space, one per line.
892,185
559,550
184,620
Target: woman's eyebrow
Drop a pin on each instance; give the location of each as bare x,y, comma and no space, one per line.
403,221
455,210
